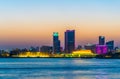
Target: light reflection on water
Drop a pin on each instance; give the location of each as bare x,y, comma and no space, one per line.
58,68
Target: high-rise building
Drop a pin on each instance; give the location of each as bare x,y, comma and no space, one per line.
101,40
69,41
110,45
56,43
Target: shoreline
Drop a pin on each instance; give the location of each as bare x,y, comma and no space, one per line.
67,57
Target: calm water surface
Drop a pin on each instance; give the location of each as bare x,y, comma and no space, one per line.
59,68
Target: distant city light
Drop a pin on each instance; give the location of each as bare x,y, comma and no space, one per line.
83,52
101,49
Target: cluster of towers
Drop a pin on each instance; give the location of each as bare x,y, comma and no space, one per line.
104,47
69,41
69,46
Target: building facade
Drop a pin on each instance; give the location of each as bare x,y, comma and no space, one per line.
110,45
69,41
56,43
101,49
46,49
101,40
91,47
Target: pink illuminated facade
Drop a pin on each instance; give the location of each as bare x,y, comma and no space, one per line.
101,49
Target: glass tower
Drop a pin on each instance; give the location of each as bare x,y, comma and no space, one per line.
56,43
110,45
69,41
101,40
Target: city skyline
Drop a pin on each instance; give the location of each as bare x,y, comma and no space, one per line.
26,23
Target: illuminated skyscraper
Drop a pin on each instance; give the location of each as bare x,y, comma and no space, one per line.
110,45
101,40
69,41
56,43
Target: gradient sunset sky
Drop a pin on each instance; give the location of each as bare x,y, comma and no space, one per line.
25,23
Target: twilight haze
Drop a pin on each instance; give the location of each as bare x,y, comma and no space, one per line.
25,23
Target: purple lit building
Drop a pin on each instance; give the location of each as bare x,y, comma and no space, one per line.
101,49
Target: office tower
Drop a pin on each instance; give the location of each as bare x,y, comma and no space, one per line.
110,45
69,41
56,43
101,49
101,40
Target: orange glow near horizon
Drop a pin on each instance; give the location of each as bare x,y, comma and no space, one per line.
33,22
43,33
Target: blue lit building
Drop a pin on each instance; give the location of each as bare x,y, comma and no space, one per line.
101,40
69,41
56,43
110,45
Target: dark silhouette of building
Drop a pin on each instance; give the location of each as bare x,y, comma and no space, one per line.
69,41
79,47
110,45
46,49
25,50
101,40
56,43
91,47
34,49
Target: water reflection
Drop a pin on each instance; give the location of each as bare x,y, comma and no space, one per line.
59,68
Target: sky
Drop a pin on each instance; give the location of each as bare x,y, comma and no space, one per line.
25,23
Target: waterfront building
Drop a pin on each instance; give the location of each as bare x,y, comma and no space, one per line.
83,53
69,41
46,49
91,47
110,45
56,43
101,49
34,49
79,47
101,40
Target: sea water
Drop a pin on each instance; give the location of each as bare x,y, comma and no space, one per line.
59,68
